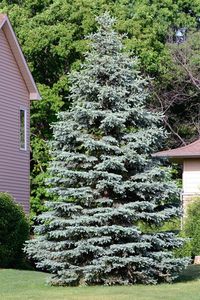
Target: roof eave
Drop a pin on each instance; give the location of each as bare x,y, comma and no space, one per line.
35,96
20,59
160,155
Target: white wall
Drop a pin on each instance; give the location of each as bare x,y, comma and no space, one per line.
191,176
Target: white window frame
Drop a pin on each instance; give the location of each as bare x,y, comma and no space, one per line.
25,128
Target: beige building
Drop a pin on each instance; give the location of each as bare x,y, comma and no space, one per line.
189,156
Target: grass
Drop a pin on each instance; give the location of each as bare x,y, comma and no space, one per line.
30,285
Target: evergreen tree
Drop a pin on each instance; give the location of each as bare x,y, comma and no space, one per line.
107,186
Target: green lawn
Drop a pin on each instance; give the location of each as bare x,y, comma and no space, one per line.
24,285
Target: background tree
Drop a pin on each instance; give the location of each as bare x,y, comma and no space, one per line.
179,99
105,181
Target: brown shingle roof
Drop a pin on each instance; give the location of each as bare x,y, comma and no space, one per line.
189,151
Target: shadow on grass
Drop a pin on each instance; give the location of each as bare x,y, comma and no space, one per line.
190,274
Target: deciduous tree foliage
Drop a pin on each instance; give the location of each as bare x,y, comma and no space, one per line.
105,181
178,98
192,225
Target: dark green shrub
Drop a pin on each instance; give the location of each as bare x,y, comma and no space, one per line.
14,230
192,226
186,249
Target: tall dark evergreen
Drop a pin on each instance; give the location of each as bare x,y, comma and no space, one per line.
107,186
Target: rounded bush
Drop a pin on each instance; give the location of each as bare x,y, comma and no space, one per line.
14,231
186,249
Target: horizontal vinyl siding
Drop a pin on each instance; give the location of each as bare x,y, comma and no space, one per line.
191,176
14,163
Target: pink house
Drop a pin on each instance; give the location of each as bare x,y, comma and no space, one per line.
17,88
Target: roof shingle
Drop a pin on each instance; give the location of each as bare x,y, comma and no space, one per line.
188,151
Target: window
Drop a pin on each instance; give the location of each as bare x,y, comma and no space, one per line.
23,129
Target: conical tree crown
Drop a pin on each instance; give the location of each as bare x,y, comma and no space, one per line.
105,180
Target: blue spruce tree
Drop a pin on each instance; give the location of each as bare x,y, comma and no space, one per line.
105,181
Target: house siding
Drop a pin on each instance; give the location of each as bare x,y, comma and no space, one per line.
191,176
14,163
